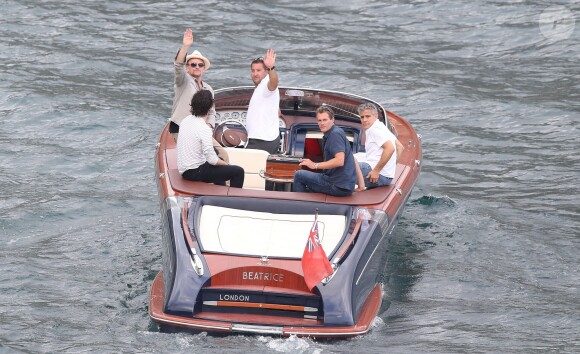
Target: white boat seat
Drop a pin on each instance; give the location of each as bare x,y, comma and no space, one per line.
252,161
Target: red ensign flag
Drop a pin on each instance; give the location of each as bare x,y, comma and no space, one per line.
315,264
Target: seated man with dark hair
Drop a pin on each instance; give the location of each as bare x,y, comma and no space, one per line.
196,157
339,172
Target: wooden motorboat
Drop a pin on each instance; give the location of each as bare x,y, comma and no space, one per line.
232,256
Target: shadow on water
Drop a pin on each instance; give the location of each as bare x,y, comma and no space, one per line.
403,268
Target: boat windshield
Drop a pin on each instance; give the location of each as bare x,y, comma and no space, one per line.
299,100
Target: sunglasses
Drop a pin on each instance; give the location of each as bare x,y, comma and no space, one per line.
258,60
200,65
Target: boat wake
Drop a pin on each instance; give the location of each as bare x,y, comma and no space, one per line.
430,200
292,344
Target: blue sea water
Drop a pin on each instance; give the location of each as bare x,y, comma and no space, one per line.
485,258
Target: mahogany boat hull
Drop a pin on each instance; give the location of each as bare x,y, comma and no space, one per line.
231,257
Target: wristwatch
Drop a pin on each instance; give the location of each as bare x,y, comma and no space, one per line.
272,68
316,165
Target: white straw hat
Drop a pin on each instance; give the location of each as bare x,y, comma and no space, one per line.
197,55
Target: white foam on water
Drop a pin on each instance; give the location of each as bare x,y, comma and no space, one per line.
292,344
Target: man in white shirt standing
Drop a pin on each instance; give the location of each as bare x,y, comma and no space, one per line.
262,118
376,166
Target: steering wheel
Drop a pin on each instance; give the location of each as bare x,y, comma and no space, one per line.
231,133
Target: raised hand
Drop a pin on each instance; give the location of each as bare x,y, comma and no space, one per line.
188,37
270,58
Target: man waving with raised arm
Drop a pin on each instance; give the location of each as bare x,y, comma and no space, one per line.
188,70
262,119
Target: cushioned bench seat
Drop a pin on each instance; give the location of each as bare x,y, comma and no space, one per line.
252,161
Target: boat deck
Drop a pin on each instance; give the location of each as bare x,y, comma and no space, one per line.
369,197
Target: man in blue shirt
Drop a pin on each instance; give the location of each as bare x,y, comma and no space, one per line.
338,174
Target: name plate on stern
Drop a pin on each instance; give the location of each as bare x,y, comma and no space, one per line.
282,166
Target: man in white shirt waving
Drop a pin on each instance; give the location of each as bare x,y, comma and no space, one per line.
262,119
